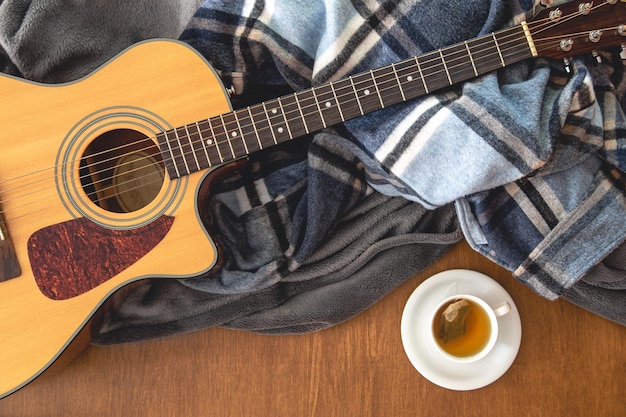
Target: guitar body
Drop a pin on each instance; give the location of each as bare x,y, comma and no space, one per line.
100,178
78,227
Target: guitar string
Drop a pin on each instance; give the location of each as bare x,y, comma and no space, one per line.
285,115
159,180
253,123
313,105
425,68
132,144
230,127
235,127
421,62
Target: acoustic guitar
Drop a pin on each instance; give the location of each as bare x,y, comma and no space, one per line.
99,178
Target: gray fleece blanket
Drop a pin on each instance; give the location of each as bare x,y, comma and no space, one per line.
295,260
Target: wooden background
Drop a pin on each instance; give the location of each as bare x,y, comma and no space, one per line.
571,363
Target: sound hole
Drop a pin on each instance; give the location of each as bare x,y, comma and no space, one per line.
122,171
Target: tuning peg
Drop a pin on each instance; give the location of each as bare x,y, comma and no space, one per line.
566,65
597,56
622,54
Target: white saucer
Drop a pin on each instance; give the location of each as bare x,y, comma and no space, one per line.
416,330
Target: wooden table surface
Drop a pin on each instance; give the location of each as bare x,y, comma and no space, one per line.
570,363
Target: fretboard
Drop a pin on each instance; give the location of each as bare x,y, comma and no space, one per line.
220,139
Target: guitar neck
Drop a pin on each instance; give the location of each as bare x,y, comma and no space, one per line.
217,140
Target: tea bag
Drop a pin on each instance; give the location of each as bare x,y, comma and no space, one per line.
453,320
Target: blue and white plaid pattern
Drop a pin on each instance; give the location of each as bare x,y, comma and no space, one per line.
532,157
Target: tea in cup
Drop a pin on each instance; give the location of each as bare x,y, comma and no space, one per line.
465,327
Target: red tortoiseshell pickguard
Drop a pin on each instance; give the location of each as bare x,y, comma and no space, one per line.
70,258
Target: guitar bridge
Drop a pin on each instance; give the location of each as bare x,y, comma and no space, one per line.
9,265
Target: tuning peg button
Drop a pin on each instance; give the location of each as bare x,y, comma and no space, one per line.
595,35
555,15
566,65
597,56
566,44
585,8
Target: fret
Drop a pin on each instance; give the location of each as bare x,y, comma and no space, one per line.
221,138
262,128
187,151
196,146
469,54
445,67
306,127
179,153
184,148
421,74
459,63
254,128
410,79
208,143
319,108
395,73
310,110
328,107
432,69
239,135
248,133
332,87
233,135
280,129
485,57
356,95
346,99
380,99
214,141
365,90
167,154
495,41
196,134
269,123
294,121
521,48
278,121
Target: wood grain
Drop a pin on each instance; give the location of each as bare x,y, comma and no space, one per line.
571,363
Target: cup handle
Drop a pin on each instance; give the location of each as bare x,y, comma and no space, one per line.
502,309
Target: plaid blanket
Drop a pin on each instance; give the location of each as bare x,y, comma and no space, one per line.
529,159
533,158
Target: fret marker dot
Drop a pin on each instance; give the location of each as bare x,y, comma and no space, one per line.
280,130
234,134
409,78
366,92
274,111
209,142
328,104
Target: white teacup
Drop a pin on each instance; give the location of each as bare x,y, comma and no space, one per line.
481,331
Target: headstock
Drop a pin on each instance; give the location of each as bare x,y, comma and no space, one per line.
578,27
